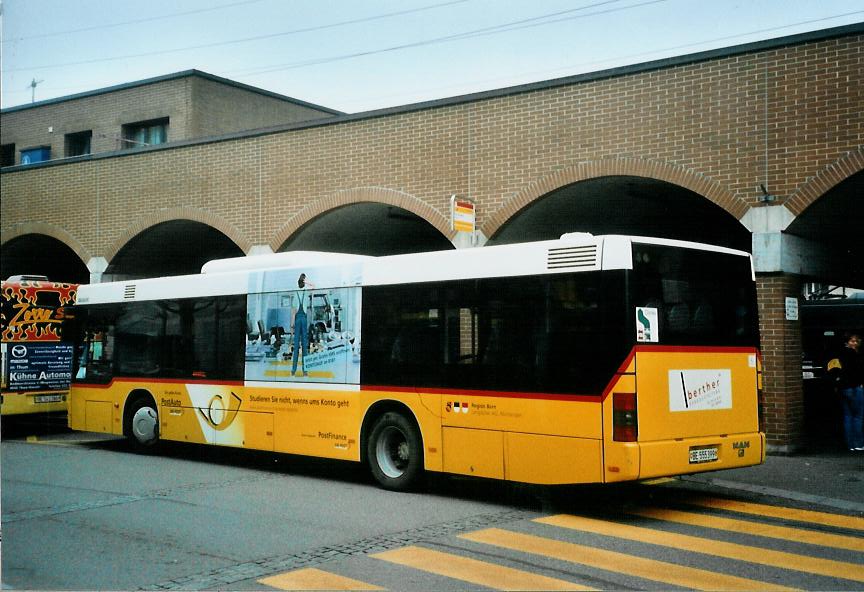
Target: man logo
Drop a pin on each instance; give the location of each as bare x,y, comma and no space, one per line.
19,351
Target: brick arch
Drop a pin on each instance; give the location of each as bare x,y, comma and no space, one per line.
631,167
54,232
179,213
830,176
347,197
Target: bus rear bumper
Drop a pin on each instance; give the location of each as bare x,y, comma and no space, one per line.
697,455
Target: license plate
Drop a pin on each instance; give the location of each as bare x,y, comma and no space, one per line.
703,455
48,398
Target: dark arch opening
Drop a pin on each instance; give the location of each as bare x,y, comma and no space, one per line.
39,254
368,229
835,221
625,205
176,247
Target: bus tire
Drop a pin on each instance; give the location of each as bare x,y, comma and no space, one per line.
142,423
395,452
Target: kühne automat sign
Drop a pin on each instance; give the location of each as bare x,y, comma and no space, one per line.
39,366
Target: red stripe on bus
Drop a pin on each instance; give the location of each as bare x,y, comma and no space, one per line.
483,393
705,349
160,381
691,349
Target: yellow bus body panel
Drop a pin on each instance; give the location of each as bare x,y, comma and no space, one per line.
101,403
99,416
484,440
553,460
666,434
661,459
658,422
317,422
24,403
525,437
479,453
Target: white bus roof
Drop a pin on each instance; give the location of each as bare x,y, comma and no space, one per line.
285,260
572,252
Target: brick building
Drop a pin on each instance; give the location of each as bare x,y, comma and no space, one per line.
756,146
167,109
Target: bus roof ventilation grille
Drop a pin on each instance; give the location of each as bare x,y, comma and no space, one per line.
129,292
572,257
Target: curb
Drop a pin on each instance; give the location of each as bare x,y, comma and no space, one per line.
839,504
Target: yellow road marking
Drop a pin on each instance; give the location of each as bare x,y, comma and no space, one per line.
822,518
761,556
798,535
477,572
314,579
658,481
649,569
66,443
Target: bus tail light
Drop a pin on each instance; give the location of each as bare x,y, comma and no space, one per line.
624,417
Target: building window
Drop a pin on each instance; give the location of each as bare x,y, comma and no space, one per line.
145,133
7,158
34,155
78,144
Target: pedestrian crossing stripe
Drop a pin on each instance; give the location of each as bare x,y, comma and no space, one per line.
823,518
314,579
619,563
495,576
491,575
786,533
715,548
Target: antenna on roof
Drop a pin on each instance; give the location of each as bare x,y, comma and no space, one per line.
32,86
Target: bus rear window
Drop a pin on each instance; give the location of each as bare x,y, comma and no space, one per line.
700,297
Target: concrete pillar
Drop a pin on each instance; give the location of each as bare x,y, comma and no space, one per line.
469,240
97,266
260,250
777,260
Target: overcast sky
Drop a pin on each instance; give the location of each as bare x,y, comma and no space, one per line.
358,55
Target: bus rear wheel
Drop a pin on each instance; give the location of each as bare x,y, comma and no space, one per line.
143,423
395,452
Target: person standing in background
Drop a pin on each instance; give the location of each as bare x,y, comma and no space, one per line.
847,370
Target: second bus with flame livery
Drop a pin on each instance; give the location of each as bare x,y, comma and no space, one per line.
580,360
35,351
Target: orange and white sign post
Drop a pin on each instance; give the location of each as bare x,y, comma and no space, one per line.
462,216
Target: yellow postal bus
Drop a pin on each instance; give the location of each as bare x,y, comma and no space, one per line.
36,355
580,360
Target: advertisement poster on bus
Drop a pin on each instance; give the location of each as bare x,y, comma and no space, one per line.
34,311
304,325
38,367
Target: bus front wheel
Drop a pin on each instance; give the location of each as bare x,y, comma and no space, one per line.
395,452
143,426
